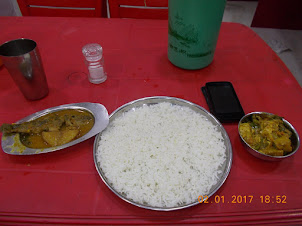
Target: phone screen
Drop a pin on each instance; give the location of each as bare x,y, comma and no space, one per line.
223,101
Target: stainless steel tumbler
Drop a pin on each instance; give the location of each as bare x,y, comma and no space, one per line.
22,59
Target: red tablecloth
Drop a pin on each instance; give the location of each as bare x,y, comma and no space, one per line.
64,186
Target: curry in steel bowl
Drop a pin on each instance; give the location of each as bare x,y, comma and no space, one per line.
268,134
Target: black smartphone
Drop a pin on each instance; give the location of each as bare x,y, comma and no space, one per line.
223,101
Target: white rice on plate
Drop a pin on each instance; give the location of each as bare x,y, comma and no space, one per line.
161,155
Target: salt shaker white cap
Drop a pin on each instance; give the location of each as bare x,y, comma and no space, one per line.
92,51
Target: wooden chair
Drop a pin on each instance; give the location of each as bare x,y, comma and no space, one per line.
62,8
138,9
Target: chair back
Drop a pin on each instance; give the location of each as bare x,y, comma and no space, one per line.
138,9
61,8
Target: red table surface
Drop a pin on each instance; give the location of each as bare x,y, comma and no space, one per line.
64,187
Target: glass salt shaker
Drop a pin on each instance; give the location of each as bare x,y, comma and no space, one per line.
93,54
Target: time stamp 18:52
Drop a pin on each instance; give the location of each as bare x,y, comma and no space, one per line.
243,199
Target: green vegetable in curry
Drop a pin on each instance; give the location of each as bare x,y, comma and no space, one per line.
267,134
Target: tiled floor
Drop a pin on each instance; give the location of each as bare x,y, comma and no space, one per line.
286,43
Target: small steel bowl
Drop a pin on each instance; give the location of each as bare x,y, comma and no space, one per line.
294,139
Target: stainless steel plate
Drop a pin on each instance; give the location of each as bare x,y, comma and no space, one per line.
225,169
12,145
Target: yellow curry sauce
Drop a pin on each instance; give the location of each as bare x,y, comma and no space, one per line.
65,133
267,134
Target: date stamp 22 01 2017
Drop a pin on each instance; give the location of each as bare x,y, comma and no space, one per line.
243,199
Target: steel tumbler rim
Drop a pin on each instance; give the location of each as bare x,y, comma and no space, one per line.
8,49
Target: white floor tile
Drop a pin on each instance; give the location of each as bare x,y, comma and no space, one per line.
286,43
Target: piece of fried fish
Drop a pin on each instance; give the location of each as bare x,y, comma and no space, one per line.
47,124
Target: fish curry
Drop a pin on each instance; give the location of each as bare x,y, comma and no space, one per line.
53,129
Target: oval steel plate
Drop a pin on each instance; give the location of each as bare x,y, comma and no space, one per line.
11,144
225,169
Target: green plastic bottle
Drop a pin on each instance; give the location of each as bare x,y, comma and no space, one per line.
193,31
